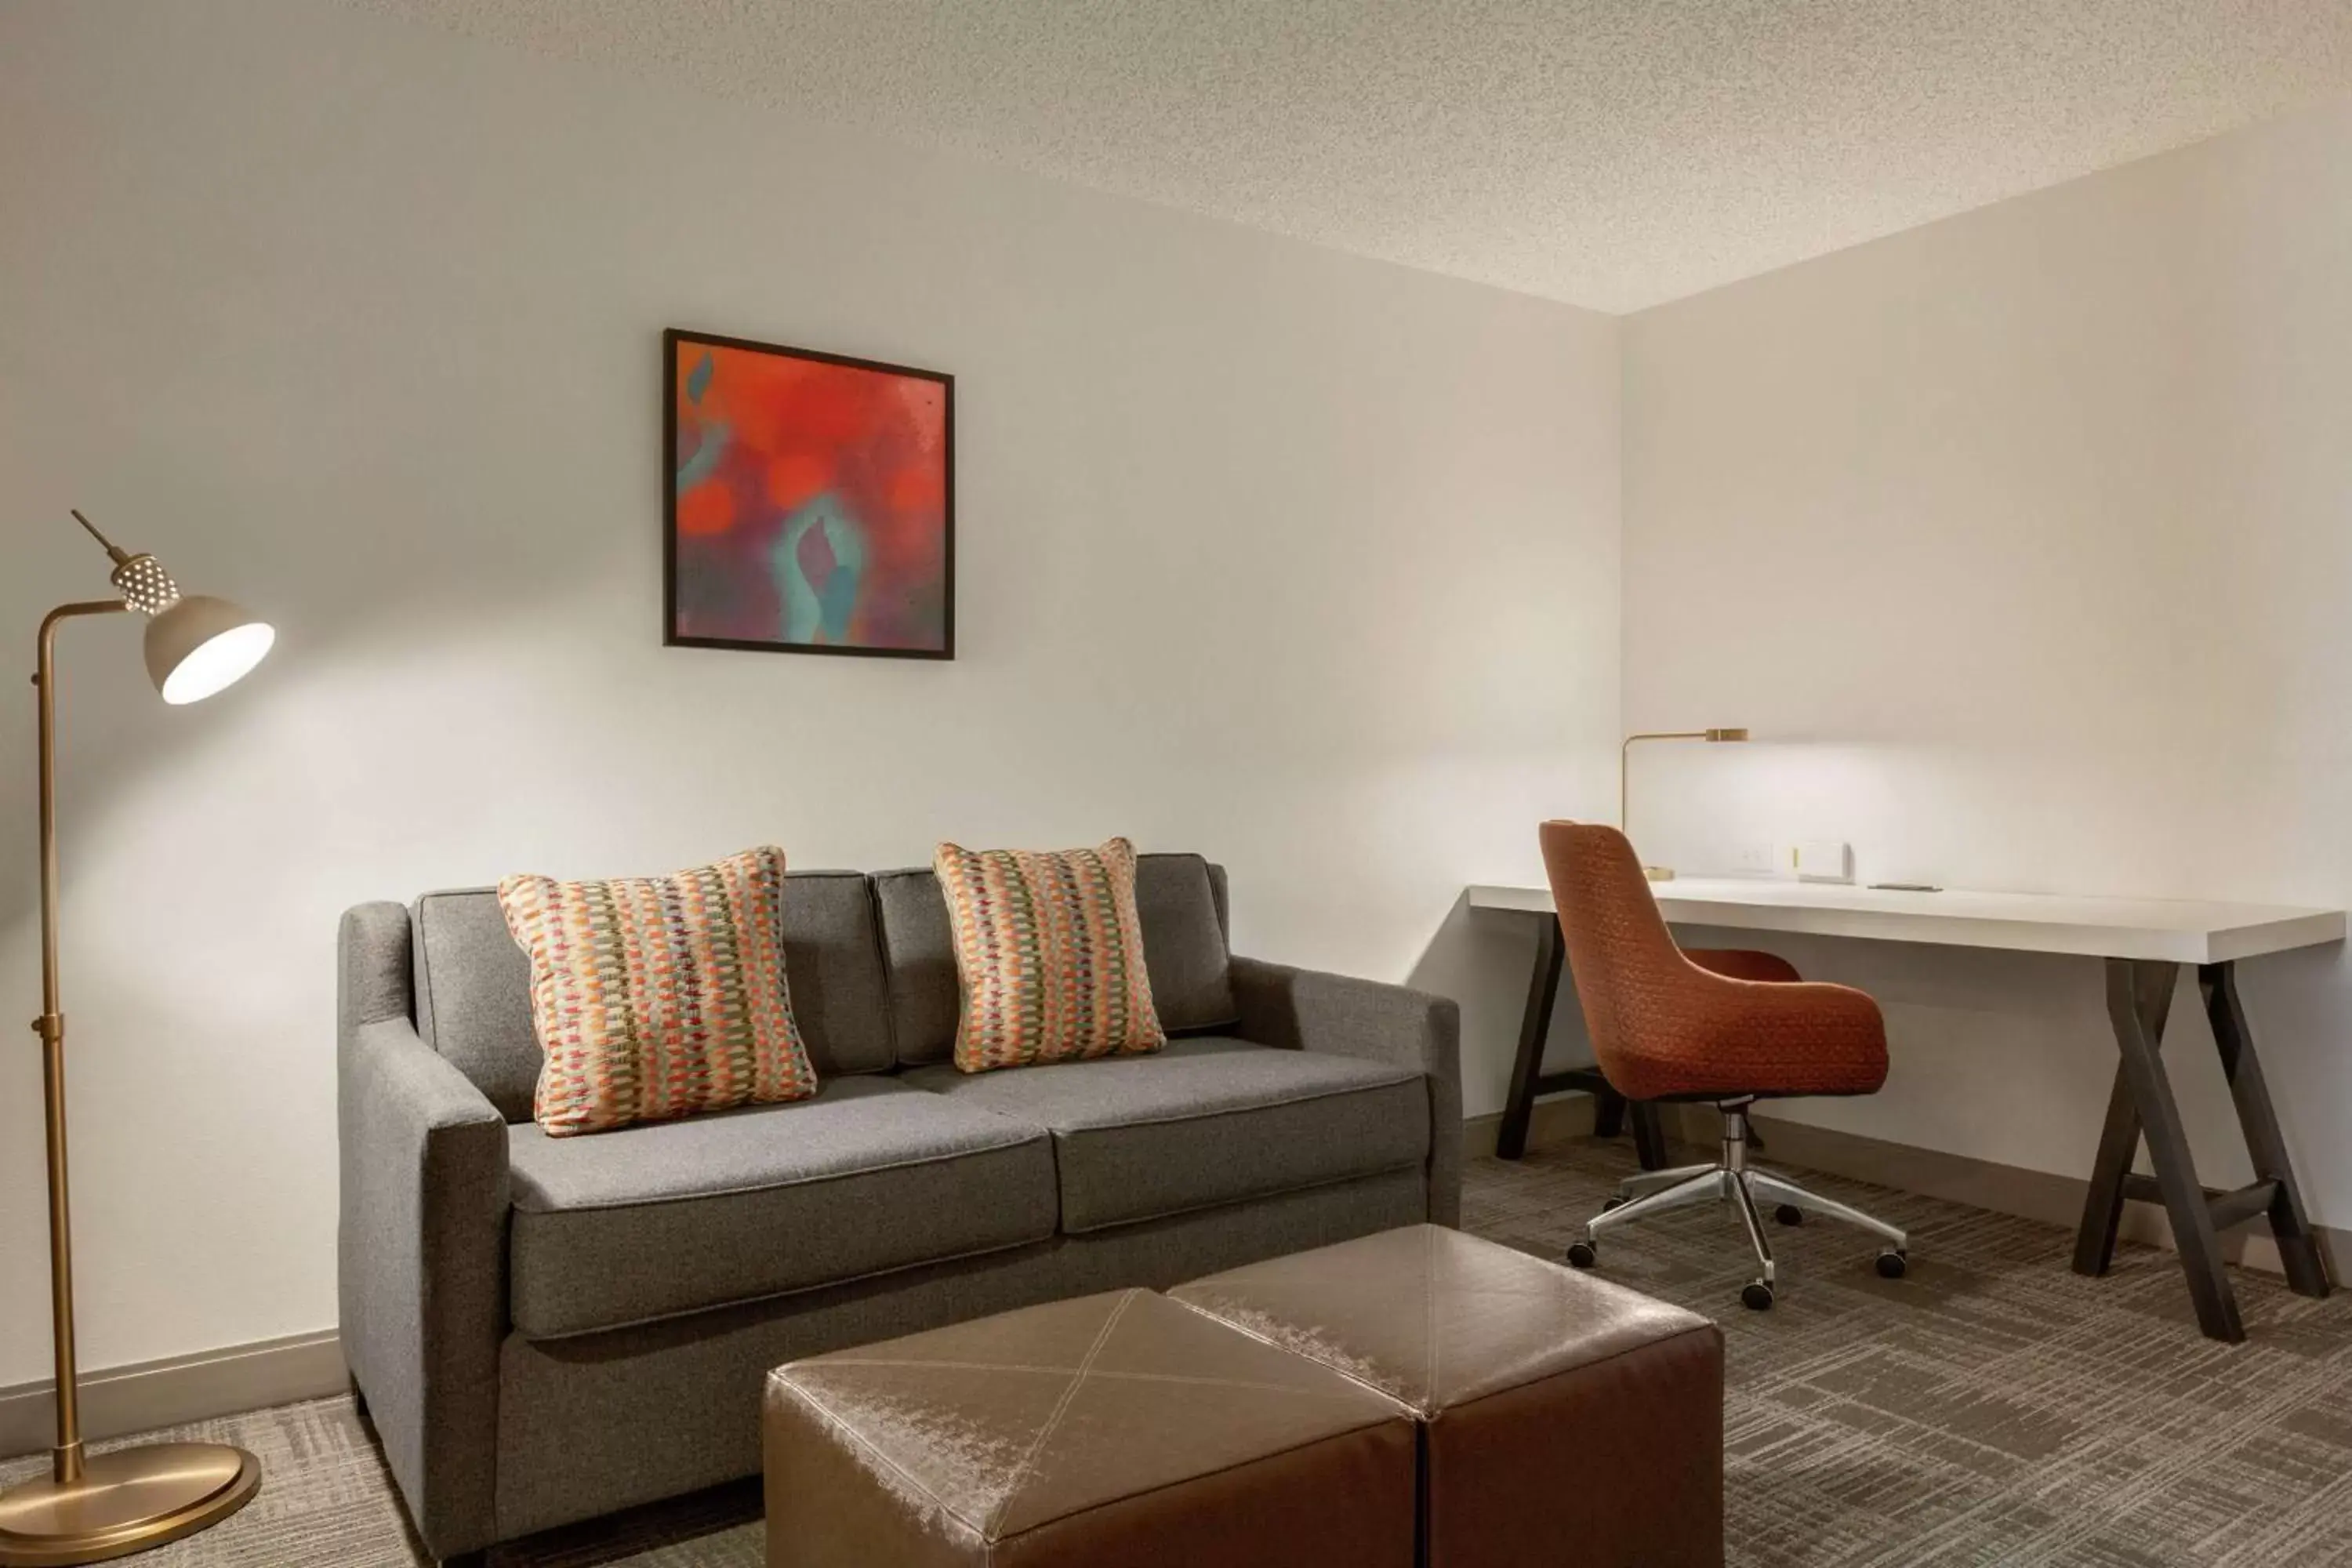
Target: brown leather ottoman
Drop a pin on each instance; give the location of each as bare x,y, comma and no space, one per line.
1119,1429
1566,1420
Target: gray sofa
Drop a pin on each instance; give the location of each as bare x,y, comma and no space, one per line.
544,1330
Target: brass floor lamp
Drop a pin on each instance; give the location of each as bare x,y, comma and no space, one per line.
90,1508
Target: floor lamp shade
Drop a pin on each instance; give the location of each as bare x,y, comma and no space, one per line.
200,644
92,1506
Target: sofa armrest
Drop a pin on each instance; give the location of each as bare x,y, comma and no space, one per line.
421,1244
1304,1009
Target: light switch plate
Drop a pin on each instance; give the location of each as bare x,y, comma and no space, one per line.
1824,860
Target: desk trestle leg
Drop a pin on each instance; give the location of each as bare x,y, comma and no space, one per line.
1528,1079
1535,1029
2102,1209
2298,1245
2139,999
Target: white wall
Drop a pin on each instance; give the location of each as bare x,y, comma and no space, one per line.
2028,537
1305,561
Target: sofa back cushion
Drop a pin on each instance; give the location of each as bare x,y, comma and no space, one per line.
1179,903
473,994
473,985
832,959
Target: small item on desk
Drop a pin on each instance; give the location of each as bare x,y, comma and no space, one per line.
1824,860
1906,888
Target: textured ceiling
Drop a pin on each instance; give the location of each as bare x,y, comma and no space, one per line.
1608,153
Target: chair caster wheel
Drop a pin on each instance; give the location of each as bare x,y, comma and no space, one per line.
1607,1204
1891,1265
1756,1296
1581,1255
1789,1213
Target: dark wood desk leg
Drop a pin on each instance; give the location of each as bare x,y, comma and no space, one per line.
1649,1137
2306,1270
2103,1206
1535,1029
2132,986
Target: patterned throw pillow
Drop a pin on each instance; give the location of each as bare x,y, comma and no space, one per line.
658,996
1051,955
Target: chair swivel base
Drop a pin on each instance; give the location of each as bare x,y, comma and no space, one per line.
1732,1178
126,1500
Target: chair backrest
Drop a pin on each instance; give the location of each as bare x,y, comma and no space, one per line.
1625,963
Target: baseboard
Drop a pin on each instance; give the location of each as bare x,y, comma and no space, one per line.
139,1399
1563,1116
1980,1184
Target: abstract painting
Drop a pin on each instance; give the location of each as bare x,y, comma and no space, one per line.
810,504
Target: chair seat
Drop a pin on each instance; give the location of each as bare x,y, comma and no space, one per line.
1207,1120
647,1222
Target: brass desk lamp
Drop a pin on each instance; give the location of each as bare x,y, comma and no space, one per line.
1624,803
90,1508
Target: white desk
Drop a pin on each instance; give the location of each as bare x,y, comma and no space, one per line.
2142,942
2168,930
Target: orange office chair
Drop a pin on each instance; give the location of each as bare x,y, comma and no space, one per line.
1728,1027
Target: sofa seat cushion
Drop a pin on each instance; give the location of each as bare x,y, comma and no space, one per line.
1204,1122
670,1217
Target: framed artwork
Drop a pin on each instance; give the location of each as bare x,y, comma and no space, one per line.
809,503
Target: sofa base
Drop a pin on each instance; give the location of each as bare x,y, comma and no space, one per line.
600,1422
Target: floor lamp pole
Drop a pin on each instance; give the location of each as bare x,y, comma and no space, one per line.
66,1465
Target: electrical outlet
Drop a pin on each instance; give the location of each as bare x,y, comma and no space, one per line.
1756,859
1824,860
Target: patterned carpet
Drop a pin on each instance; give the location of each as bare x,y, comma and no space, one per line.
1992,1408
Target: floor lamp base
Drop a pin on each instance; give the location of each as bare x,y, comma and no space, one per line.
127,1500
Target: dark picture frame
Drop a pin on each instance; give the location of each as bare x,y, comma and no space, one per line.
676,342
